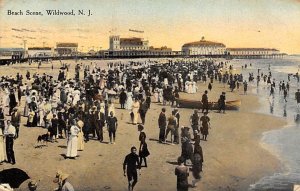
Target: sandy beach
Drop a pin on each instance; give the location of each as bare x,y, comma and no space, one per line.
233,155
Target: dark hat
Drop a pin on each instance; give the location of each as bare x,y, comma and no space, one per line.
140,127
185,127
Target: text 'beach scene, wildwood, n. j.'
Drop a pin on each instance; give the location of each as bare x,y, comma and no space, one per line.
147,95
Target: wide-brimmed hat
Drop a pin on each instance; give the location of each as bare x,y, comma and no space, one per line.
60,176
80,123
32,184
140,127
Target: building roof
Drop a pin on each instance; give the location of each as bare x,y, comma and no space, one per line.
11,49
163,48
63,45
131,41
252,49
39,48
204,43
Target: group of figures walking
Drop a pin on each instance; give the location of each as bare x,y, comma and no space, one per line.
78,109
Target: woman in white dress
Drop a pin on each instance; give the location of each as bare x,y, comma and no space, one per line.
166,82
194,87
2,147
160,95
190,88
156,95
76,95
73,141
186,86
128,103
41,110
135,111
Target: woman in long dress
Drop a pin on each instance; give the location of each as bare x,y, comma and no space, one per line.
2,147
135,110
186,86
73,141
190,87
41,111
160,95
156,100
194,87
80,146
128,104
27,102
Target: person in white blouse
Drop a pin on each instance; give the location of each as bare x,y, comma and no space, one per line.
10,133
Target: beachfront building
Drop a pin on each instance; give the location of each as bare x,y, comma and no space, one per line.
66,49
203,48
151,52
40,52
162,51
11,53
252,51
134,47
127,44
8,55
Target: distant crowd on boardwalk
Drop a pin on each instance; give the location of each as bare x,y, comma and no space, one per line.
79,108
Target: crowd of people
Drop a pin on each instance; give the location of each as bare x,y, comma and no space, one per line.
79,108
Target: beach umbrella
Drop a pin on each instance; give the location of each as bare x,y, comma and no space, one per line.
14,177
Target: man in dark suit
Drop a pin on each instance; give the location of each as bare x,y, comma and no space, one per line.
162,124
12,101
204,101
16,120
130,166
123,98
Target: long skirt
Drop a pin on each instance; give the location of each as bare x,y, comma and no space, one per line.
135,116
72,146
26,110
2,149
80,145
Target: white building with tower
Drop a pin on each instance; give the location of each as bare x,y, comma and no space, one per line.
128,44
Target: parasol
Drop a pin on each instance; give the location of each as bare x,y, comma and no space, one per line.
14,177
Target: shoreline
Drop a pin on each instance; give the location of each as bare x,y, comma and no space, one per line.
255,167
233,156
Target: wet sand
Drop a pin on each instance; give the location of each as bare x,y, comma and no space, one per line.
233,156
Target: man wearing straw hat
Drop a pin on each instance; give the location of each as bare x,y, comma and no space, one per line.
61,180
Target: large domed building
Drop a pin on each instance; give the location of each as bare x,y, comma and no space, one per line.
204,48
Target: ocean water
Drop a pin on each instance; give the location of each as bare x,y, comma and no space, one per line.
283,142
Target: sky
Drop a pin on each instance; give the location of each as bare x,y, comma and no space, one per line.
236,23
